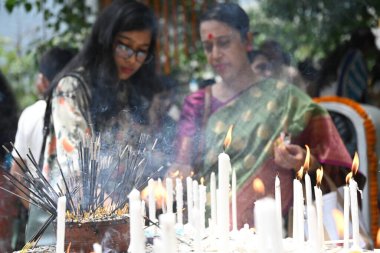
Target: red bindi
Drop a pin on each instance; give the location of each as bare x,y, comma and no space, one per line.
210,36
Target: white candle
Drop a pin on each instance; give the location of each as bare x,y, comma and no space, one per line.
314,241
354,212
224,167
213,198
198,228
179,200
195,194
234,210
97,248
169,241
202,208
158,247
295,210
169,195
189,193
319,207
152,200
346,213
298,215
61,214
309,201
277,193
269,234
137,238
301,221
143,212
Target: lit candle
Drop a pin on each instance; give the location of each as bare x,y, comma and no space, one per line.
319,207
346,211
137,238
277,193
61,213
213,198
309,199
189,195
169,241
234,210
354,203
224,168
298,208
179,200
354,213
169,195
269,236
152,200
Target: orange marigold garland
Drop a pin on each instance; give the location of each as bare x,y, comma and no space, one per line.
370,131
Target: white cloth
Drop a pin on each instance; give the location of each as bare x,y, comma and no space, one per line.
30,131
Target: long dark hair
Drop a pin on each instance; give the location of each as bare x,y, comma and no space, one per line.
97,60
231,14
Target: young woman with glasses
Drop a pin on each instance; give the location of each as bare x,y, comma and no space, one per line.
106,89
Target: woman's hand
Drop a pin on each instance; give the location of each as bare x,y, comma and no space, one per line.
289,156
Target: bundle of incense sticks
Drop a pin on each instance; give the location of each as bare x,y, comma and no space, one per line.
101,178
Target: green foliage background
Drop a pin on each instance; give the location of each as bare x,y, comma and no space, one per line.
305,28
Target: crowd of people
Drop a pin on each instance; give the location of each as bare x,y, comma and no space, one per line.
110,88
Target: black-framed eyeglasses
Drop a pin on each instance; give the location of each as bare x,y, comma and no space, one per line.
126,52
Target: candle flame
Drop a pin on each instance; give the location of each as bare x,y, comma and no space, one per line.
202,180
319,176
348,177
159,193
300,173
191,173
355,164
339,222
306,164
175,174
258,186
378,239
228,139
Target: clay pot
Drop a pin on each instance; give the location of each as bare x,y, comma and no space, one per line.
111,234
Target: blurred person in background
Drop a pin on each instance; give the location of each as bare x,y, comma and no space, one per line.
344,72
9,204
280,64
30,126
260,63
353,73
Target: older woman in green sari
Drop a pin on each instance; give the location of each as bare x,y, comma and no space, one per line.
260,110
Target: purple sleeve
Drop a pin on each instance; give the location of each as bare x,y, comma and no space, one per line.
191,114
188,126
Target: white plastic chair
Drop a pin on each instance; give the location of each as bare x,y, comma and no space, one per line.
358,123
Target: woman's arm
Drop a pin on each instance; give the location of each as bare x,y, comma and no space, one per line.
71,114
